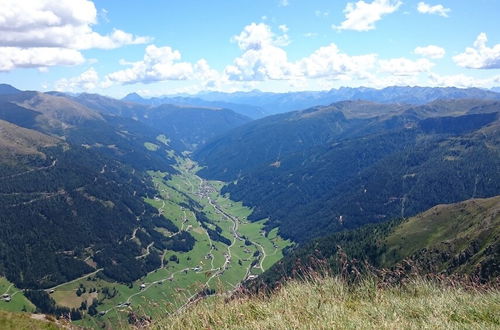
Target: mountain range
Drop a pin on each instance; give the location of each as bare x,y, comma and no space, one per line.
367,172
272,103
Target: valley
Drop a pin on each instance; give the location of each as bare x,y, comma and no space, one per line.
249,165
213,265
116,214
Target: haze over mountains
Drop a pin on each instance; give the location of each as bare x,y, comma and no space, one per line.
272,103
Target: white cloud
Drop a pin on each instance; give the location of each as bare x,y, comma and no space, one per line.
479,56
264,59
35,25
262,56
440,10
462,81
362,16
15,57
158,64
430,51
320,13
405,67
284,3
329,62
86,81
283,28
310,35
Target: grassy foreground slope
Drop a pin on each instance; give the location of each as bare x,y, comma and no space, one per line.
329,303
21,321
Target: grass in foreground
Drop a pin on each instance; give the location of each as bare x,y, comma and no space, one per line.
329,303
21,321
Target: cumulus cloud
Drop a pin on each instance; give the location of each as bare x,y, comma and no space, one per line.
264,59
329,62
262,56
480,56
362,16
440,10
16,57
158,64
430,51
405,67
36,25
88,80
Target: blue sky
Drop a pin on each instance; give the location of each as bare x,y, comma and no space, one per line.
114,47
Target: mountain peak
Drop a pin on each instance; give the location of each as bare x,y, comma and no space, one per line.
8,89
133,97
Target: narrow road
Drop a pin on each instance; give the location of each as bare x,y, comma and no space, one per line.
54,162
76,279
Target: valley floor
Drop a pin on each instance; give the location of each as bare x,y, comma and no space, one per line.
329,303
183,275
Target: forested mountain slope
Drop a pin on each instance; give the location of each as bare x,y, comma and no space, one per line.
452,239
73,184
185,126
361,171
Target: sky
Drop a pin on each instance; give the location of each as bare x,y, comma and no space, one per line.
165,47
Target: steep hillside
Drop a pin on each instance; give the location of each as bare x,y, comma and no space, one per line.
268,140
460,238
264,142
34,321
69,206
110,106
59,218
185,126
192,127
15,140
56,113
315,171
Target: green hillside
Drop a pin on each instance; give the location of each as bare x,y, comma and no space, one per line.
454,239
24,321
469,232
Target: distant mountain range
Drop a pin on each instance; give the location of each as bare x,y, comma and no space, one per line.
248,110
272,103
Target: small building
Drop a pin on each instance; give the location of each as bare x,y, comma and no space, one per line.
5,295
143,286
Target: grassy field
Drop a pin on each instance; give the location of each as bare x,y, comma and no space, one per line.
18,303
169,288
329,303
23,321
